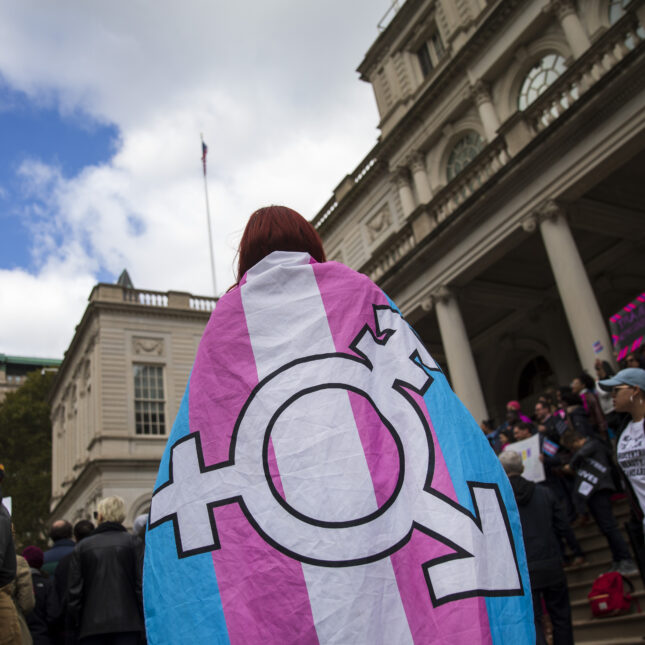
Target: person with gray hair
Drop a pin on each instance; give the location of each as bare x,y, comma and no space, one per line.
104,590
542,521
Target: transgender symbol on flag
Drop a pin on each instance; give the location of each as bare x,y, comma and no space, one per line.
484,562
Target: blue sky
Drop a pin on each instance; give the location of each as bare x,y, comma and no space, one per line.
101,107
32,131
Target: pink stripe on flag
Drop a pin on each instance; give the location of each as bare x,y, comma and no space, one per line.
261,589
347,312
443,624
637,343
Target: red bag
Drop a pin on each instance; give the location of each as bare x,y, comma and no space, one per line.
608,596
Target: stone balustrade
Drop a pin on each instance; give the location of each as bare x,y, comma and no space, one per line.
114,293
202,303
470,180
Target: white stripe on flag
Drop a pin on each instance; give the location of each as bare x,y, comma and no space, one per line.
324,471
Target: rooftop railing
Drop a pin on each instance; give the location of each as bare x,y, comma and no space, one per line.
114,293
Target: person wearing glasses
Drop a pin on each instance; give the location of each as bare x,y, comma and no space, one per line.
628,393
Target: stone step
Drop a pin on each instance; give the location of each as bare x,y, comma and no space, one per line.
637,640
597,540
588,572
578,591
629,627
580,609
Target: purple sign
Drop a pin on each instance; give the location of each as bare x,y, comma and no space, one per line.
628,327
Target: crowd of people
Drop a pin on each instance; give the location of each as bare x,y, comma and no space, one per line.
86,588
592,446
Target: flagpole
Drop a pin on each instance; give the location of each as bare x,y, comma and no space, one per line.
208,216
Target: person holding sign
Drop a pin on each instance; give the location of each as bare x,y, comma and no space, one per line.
594,484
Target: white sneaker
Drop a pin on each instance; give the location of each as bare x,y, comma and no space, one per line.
627,567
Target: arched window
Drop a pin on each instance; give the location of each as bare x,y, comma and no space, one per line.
539,78
463,152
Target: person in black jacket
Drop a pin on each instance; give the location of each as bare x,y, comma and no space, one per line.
542,520
104,589
10,628
60,623
61,536
37,619
594,483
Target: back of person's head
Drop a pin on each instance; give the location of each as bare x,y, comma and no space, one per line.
587,380
34,556
570,398
111,509
512,462
60,530
570,438
276,228
83,529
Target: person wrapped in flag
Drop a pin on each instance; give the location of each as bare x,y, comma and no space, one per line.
322,483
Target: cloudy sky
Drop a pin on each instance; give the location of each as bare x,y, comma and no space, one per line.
101,109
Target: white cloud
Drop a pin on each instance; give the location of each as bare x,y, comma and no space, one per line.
272,86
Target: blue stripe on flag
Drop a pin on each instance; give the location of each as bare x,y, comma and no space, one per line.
510,618
178,592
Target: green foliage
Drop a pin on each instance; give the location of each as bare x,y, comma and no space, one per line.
26,452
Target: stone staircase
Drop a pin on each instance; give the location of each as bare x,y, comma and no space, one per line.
622,630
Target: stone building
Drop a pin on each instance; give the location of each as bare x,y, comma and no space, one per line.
502,205
14,370
117,393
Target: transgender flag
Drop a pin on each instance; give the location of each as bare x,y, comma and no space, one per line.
323,484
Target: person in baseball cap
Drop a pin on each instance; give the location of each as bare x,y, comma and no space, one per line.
632,376
628,394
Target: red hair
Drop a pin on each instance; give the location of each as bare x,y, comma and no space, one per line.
276,228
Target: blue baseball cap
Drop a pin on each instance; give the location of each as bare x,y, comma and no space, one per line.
634,376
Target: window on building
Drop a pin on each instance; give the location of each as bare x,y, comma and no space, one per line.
430,53
149,400
539,78
463,152
423,54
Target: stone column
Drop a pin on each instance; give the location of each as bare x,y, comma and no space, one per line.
578,299
461,363
574,32
405,191
420,178
487,111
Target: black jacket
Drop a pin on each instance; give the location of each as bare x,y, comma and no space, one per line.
104,588
7,551
37,619
542,521
580,421
594,457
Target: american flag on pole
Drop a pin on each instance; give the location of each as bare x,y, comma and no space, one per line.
323,484
204,153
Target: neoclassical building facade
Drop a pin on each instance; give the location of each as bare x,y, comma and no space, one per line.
502,206
117,393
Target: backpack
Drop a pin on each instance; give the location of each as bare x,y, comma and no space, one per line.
608,597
